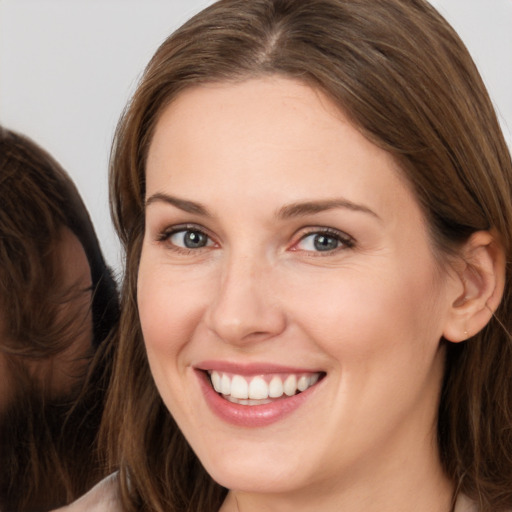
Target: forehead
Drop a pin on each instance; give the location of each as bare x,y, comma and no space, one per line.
271,137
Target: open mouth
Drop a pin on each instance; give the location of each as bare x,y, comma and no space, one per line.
261,389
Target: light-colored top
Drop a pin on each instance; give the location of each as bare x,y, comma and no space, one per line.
104,497
464,504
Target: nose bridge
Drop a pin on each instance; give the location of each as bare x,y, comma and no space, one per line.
244,308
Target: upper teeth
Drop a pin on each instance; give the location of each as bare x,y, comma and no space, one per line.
257,388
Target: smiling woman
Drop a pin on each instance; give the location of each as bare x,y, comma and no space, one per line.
316,214
272,296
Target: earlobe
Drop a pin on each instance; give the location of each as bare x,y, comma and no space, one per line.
482,275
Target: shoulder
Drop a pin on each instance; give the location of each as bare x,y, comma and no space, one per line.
464,504
103,497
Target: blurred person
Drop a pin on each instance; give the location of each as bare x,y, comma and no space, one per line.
58,304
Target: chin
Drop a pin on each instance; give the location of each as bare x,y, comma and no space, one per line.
258,469
255,479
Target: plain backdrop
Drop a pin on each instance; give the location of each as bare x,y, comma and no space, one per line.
67,68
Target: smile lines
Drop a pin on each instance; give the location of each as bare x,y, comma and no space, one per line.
260,390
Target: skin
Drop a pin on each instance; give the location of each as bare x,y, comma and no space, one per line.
369,313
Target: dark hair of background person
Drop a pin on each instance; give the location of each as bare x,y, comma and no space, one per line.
47,444
407,82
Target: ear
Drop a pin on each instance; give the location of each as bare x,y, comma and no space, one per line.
481,272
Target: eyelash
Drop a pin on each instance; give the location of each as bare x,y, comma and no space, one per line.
166,235
345,241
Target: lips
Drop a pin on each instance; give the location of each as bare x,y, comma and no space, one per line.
255,395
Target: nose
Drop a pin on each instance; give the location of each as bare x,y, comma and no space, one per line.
245,308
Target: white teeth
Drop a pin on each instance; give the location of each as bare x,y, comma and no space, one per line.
216,379
239,387
275,388
225,385
256,390
290,385
302,383
248,401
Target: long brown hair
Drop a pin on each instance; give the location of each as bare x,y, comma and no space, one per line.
46,442
407,82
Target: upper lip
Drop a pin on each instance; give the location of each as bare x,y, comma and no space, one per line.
249,369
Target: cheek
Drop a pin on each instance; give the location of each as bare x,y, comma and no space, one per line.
365,314
170,306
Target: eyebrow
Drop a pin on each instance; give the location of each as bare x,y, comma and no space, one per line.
298,209
312,207
182,204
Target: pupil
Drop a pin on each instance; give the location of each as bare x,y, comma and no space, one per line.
194,239
325,243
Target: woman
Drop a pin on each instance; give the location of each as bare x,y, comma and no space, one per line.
58,302
315,202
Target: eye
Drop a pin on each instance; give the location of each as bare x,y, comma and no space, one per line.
324,241
188,239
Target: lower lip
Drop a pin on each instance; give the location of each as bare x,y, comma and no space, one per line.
251,415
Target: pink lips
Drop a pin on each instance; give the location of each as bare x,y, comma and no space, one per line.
255,415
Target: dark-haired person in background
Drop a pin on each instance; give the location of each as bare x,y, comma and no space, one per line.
58,304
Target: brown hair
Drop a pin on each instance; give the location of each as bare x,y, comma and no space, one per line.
405,79
54,463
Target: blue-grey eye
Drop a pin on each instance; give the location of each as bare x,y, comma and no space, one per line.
190,239
320,242
325,242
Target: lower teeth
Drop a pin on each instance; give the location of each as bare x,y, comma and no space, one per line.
246,401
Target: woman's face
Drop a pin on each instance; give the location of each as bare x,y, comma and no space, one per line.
286,260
